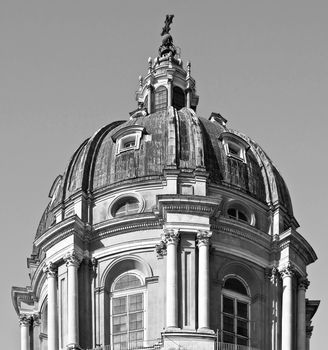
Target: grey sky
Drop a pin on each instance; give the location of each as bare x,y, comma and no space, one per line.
69,67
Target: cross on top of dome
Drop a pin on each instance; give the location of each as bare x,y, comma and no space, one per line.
167,48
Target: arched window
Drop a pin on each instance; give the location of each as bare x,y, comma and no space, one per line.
127,312
160,102
178,98
235,312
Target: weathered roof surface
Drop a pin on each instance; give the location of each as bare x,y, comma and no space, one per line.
171,139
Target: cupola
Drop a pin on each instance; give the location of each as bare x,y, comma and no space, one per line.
167,83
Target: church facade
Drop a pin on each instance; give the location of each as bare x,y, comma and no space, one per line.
167,231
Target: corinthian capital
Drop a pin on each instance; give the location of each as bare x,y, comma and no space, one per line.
171,236
50,269
203,238
303,283
288,270
25,320
274,275
72,259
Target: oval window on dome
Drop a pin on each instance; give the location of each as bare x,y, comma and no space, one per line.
126,206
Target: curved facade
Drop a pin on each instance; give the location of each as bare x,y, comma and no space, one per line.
167,231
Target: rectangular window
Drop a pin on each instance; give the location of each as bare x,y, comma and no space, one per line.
128,321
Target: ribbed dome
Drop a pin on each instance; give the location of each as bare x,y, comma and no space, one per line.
169,139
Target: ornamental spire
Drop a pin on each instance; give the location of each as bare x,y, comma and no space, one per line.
167,48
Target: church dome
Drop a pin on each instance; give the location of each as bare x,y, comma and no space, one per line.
163,229
146,146
165,134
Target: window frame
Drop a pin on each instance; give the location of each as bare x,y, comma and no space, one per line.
162,104
119,199
234,146
142,289
235,296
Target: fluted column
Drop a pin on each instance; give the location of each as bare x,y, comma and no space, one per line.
25,322
171,239
303,284
51,271
203,239
287,274
72,262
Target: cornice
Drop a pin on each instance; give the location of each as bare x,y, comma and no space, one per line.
194,205
70,226
249,233
145,221
291,238
21,294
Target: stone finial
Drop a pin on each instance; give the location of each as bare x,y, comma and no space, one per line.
188,69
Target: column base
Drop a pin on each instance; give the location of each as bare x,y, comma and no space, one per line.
73,346
172,329
205,330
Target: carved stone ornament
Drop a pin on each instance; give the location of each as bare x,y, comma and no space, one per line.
288,270
274,275
203,238
36,319
25,320
50,269
171,236
303,283
72,259
160,249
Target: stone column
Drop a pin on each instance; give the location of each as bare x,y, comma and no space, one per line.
287,274
150,98
36,331
171,239
169,92
72,262
25,322
274,311
203,238
51,271
303,284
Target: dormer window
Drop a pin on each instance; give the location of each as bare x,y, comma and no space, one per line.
234,146
237,214
235,210
128,138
